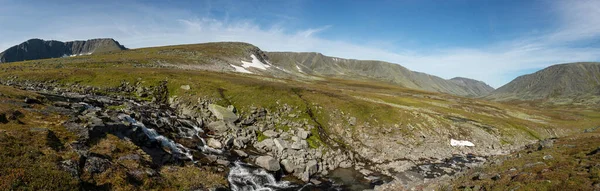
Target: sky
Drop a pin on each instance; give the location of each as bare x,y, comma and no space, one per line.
491,41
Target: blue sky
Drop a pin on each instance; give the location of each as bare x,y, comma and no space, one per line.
492,41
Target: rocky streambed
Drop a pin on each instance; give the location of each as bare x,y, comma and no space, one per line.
203,134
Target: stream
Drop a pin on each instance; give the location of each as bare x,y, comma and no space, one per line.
243,176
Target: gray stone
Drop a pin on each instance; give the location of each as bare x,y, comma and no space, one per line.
345,164
70,166
312,167
288,165
352,121
214,143
271,134
303,134
548,157
96,165
222,113
268,162
185,87
545,144
280,144
298,145
223,162
231,108
218,127
240,153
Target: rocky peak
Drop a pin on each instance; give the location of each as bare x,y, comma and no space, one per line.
34,49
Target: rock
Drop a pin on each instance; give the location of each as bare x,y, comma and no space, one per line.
545,144
298,145
596,151
529,165
303,134
315,181
352,121
185,87
214,143
288,166
240,153
218,127
186,123
30,100
480,176
266,144
3,118
222,113
70,166
345,164
96,165
62,104
271,134
312,167
496,177
280,144
268,162
223,162
548,157
232,108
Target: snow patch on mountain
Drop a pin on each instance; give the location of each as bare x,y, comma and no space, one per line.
256,63
455,143
240,69
299,69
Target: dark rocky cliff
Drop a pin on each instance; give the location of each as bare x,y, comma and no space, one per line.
41,49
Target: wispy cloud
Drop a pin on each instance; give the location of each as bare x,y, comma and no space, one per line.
495,64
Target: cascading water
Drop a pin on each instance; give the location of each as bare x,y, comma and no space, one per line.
175,148
243,177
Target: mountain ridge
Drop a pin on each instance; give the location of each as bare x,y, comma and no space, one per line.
314,63
36,48
566,82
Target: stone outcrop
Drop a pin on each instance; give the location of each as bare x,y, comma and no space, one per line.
268,162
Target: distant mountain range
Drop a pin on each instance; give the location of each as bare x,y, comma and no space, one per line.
317,64
34,49
246,58
562,83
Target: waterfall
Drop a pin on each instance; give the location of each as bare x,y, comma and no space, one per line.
176,148
243,177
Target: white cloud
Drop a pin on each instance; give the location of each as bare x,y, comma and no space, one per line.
495,64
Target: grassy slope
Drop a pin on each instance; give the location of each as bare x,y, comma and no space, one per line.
33,145
384,107
573,167
243,91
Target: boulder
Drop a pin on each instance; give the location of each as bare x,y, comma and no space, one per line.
280,144
271,134
185,87
96,165
223,162
222,113
214,143
268,162
303,134
288,166
218,127
312,167
298,145
240,153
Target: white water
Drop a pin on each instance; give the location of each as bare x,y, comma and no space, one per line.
246,178
242,177
175,148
